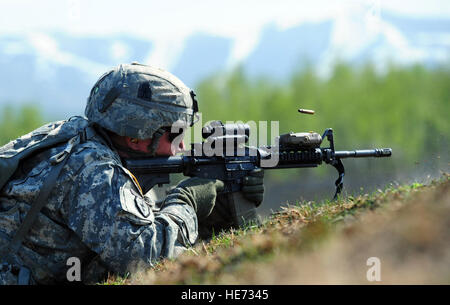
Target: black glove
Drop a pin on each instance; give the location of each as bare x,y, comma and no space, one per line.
200,193
219,220
253,186
221,217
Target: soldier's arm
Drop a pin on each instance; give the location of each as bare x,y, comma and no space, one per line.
110,215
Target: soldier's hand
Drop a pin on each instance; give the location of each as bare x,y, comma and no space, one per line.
253,186
200,193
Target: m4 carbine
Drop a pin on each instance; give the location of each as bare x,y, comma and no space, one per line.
213,159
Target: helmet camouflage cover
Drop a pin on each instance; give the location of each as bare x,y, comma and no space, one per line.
136,100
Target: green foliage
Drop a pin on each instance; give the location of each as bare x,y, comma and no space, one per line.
15,122
405,108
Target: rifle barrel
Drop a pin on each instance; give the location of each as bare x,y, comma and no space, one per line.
377,153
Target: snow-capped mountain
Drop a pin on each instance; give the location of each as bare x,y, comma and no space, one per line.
57,69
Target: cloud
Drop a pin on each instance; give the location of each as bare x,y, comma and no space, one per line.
50,56
119,51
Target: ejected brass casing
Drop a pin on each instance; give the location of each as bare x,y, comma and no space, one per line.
307,111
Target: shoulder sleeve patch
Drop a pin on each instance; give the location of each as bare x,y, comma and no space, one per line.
136,204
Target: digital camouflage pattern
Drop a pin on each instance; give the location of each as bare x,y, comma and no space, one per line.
136,100
96,212
46,136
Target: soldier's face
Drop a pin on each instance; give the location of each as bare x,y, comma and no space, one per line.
166,147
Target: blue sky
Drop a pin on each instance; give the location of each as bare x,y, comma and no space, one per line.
169,23
180,36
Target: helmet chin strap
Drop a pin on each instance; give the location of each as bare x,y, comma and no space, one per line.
155,140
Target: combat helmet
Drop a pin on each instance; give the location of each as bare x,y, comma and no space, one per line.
137,100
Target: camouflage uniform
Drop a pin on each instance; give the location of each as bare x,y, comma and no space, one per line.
96,210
